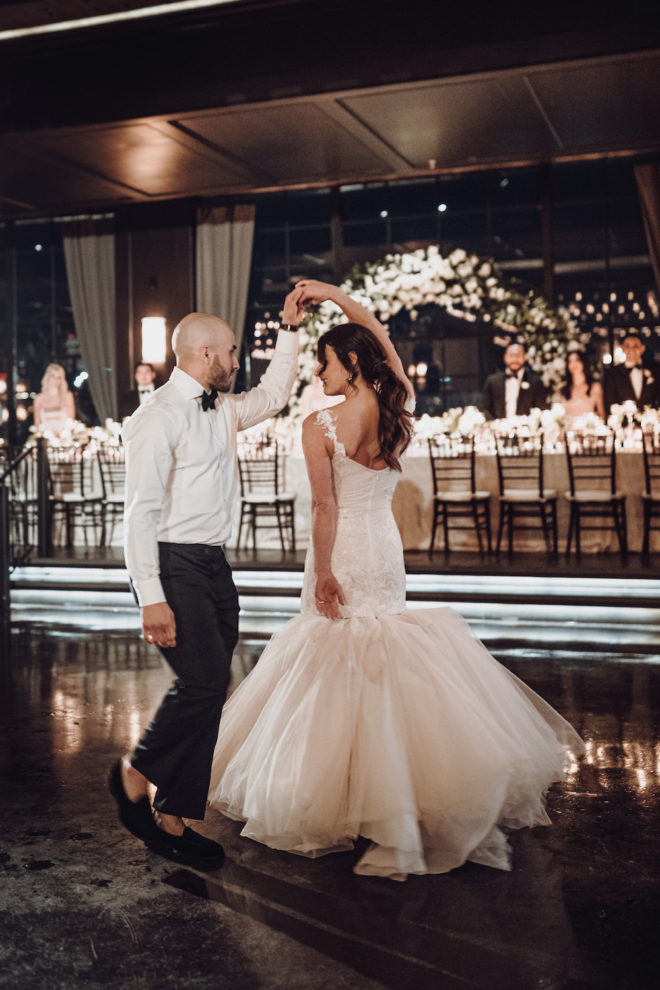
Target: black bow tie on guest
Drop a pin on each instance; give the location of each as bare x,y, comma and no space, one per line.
511,374
145,391
631,367
208,399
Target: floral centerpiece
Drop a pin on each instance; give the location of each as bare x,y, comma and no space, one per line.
77,434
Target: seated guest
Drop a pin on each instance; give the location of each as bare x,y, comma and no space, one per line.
631,381
54,404
145,375
516,391
580,394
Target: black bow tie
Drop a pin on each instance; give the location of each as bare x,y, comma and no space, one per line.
208,399
511,374
633,366
145,391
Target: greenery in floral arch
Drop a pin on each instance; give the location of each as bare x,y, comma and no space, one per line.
464,285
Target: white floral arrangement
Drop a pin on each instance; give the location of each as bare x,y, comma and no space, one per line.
468,421
464,285
649,420
622,414
75,433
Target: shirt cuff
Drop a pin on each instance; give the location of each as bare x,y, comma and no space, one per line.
149,592
287,343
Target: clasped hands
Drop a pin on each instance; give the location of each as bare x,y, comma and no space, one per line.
308,290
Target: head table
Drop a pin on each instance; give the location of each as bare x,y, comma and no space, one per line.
413,497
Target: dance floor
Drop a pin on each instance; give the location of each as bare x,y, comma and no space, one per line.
84,904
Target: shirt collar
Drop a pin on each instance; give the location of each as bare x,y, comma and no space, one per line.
187,386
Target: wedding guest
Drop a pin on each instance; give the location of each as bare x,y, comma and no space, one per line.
515,391
580,394
145,377
632,381
54,404
429,401
181,490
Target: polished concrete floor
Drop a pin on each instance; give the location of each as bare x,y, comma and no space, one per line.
84,904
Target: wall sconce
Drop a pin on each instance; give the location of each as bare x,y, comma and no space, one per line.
154,349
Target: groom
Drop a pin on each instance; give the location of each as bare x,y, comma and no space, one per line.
181,486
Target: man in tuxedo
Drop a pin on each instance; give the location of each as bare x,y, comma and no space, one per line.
145,376
515,391
632,381
181,490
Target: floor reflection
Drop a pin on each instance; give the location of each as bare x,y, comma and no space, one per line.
577,910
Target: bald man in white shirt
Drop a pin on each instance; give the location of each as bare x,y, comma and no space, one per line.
181,488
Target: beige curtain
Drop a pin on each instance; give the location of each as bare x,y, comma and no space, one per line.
223,261
89,254
648,184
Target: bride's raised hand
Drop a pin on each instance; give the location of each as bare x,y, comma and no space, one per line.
316,292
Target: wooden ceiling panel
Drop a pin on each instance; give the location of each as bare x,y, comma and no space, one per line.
459,122
36,182
603,107
294,142
144,159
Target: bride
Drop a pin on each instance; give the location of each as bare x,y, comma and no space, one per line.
361,718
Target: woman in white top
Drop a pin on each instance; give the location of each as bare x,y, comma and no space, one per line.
580,394
55,404
361,718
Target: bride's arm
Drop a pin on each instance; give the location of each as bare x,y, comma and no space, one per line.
318,292
599,399
328,591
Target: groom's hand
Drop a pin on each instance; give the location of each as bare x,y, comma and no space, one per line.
294,308
158,625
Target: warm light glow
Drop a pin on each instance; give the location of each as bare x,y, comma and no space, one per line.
174,6
153,339
422,368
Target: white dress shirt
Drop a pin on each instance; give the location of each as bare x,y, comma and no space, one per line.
636,379
511,392
181,468
144,394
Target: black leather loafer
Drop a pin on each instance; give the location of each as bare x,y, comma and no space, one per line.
190,845
136,816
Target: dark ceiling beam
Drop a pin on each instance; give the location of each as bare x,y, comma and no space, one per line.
255,52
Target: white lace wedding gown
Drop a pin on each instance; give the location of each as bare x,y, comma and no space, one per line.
393,725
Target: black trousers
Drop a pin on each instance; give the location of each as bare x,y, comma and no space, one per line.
176,750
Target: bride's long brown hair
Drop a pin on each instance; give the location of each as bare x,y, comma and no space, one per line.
395,421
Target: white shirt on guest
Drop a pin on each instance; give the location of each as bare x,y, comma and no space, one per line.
636,379
181,469
144,394
511,392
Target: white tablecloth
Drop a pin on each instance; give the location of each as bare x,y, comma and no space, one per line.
413,498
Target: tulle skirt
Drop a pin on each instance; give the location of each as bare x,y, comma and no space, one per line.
398,728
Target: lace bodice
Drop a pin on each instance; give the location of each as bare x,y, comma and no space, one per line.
367,557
